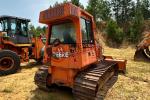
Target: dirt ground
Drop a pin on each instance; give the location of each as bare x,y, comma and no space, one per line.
135,85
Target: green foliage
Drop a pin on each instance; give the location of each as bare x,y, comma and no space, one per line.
128,15
75,2
104,10
145,8
92,8
100,9
37,31
122,10
137,26
114,32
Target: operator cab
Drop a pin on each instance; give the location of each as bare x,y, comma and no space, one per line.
15,29
70,41
64,33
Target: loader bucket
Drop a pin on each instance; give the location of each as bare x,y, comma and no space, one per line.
142,55
143,49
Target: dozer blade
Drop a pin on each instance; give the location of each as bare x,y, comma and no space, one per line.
140,55
94,82
120,62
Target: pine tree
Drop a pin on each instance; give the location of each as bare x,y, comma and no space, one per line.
126,10
122,10
116,6
75,2
103,10
145,7
136,29
92,8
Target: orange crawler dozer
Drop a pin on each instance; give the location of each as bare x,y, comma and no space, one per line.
143,49
16,45
72,57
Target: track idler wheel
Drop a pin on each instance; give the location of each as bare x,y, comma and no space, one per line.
9,62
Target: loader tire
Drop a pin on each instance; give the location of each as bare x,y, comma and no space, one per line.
9,62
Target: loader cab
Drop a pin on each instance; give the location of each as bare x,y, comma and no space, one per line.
1,29
15,29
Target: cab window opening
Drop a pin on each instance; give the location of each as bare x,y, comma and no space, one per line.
87,33
21,28
1,29
13,26
4,25
65,32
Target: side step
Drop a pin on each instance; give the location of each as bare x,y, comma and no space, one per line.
94,82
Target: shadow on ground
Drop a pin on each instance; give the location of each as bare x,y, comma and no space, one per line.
56,93
31,64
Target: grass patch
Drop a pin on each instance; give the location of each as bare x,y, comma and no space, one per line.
138,79
7,90
135,85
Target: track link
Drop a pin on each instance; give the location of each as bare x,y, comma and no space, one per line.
40,78
94,82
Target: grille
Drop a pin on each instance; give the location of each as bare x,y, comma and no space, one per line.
57,12
74,11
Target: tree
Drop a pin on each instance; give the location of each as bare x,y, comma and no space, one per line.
114,33
133,10
123,12
103,10
136,28
126,10
40,30
92,8
100,9
145,8
75,2
116,6
37,31
44,29
32,30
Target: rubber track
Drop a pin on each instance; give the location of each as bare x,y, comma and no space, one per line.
94,82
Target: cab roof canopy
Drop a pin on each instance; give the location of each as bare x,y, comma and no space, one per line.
61,11
13,17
